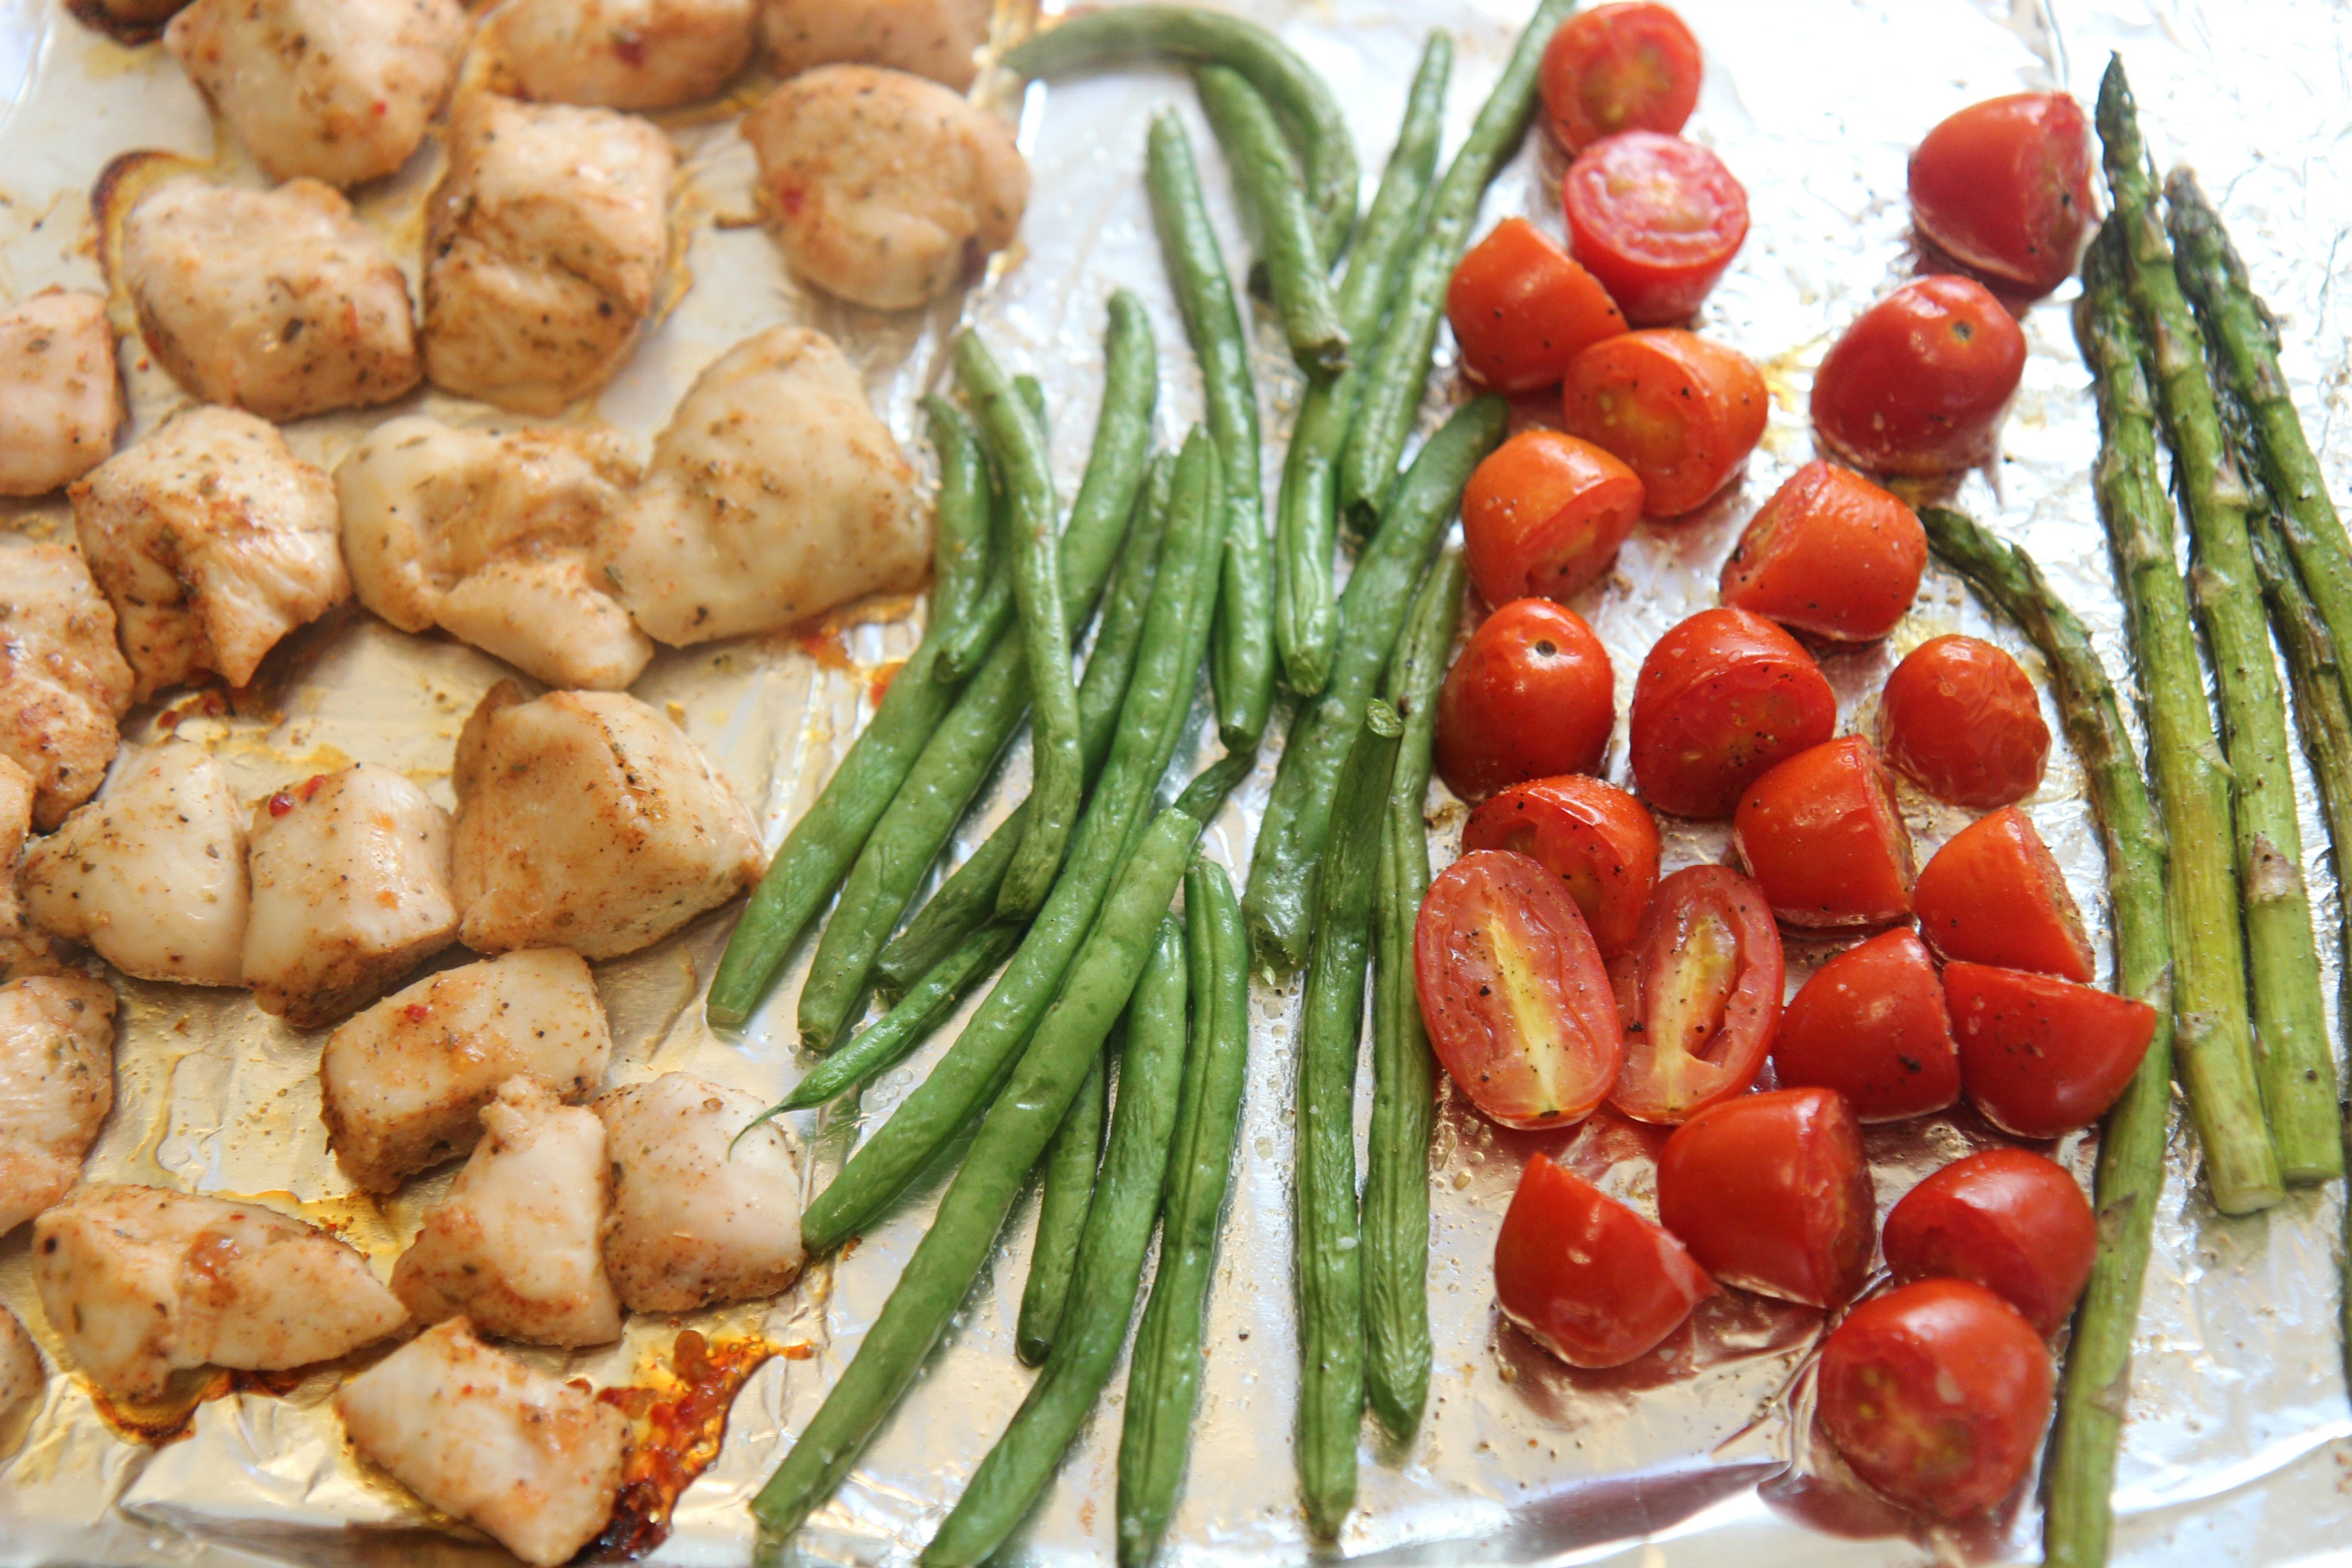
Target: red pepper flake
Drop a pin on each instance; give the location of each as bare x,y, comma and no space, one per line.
416,1012
679,1417
791,198
281,803
380,109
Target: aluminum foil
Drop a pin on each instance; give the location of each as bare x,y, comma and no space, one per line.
2235,1451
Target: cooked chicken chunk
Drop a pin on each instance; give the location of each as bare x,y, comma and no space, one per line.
275,301
533,1462
774,495
60,397
697,1217
337,90
63,682
213,541
151,873
20,1365
145,1282
402,1087
585,818
515,1245
624,54
57,1084
934,39
884,187
15,826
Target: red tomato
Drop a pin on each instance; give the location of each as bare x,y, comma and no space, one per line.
1594,1282
1681,412
1722,697
1657,219
1530,695
1937,1394
1870,1025
1600,842
1619,67
2012,1222
2004,186
2041,1056
1521,309
1919,382
1699,993
1961,717
1543,517
1830,554
1513,992
1993,894
1823,837
1772,1193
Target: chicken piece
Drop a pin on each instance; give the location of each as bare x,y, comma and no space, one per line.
57,1084
61,397
624,54
145,1282
151,873
15,823
63,683
547,240
274,301
515,1245
212,540
126,21
402,1087
884,187
21,1377
340,90
698,1218
774,495
533,1462
935,38
585,818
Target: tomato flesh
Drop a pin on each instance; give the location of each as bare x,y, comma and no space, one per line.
1919,383
1721,697
2040,1057
1681,412
1619,67
1993,894
2006,1219
2004,187
1772,1193
1657,219
1870,1025
1522,308
1961,718
1530,695
1595,1283
1601,843
1699,993
1822,835
1830,555
1543,516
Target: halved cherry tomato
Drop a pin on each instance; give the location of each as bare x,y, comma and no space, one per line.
1772,1193
2010,1220
2004,186
1722,697
1522,308
1699,993
1594,1282
1619,67
1600,842
1961,717
2040,1057
1830,554
1920,382
1870,1025
1513,992
1993,894
1543,517
1822,836
1681,412
1530,695
1657,219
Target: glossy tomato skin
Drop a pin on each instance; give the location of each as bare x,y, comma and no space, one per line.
1619,67
1500,948
2006,1219
1594,1282
2040,1057
1721,697
1830,555
1522,308
1681,412
1870,1025
1543,515
1601,843
1772,1193
2004,187
1963,721
1822,836
1936,1394
1699,993
1657,219
1993,894
1918,383
1530,695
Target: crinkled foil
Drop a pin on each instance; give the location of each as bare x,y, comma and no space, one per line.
2235,1450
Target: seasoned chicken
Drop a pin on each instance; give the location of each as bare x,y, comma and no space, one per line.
774,495
20,1365
60,397
57,1084
885,188
934,39
275,301
213,541
531,1461
698,1218
151,873
143,1283
340,90
63,682
547,240
585,818
624,54
15,825
401,1086
515,1245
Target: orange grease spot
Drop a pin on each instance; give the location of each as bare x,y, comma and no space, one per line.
677,1417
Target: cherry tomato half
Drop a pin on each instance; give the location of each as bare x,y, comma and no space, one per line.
1522,308
1722,697
2010,1220
1822,835
1600,842
1619,67
1699,993
1961,717
2040,1057
1513,992
1830,554
1919,382
1657,219
1993,894
2004,186
1681,412
1530,695
1870,1025
1772,1193
1543,515
1594,1282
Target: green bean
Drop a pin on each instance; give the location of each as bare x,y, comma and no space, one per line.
962,552
1267,179
965,648
1033,398
1065,1190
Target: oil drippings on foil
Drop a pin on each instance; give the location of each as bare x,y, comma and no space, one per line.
677,1417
